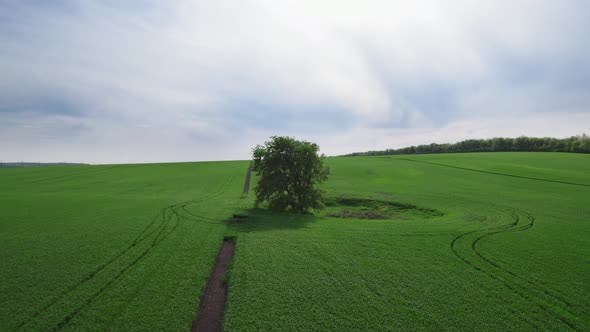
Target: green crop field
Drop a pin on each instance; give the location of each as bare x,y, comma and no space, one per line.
111,247
488,241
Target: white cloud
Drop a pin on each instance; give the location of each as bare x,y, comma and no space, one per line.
194,70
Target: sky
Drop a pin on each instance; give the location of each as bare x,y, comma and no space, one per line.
161,81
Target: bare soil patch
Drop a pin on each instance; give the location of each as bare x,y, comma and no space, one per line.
361,208
212,305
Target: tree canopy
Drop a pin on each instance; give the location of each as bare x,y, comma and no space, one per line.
289,171
578,144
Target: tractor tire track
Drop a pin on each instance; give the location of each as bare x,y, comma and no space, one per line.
513,227
100,268
200,218
496,173
538,288
455,251
163,220
160,237
510,280
565,304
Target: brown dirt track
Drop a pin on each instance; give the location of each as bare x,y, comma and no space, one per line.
212,306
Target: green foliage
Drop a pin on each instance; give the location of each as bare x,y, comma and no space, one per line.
289,171
111,241
578,144
301,273
484,265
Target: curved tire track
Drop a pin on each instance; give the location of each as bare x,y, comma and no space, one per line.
170,214
530,291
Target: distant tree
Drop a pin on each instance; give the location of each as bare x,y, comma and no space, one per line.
578,144
501,144
289,171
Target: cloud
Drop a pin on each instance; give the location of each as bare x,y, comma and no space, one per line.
198,80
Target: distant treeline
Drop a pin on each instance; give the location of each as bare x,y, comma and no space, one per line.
29,164
578,144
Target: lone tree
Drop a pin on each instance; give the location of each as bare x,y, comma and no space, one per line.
289,170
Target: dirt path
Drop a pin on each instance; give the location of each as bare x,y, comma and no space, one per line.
213,302
248,175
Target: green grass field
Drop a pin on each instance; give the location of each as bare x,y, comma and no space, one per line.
489,241
111,247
